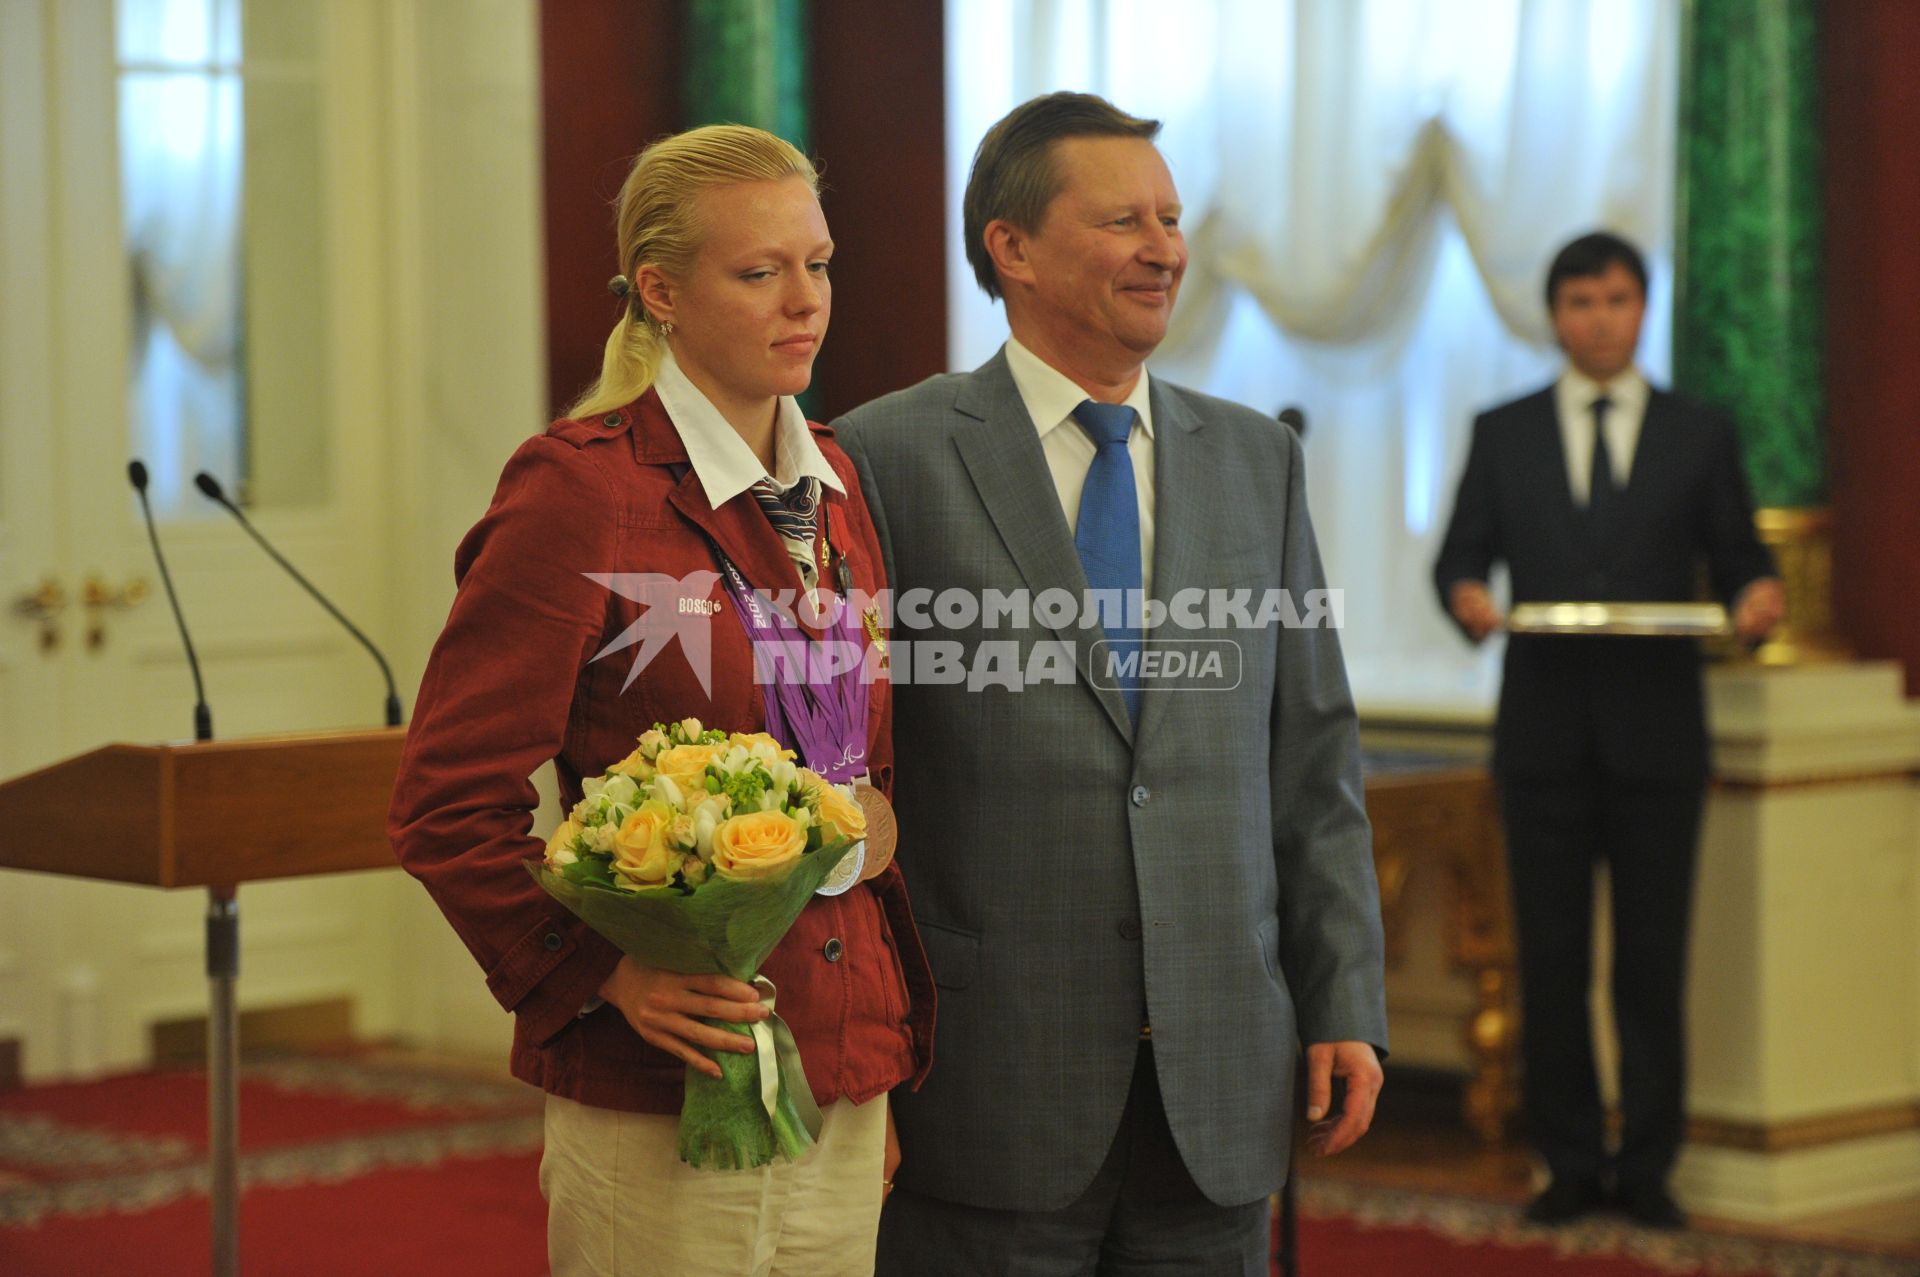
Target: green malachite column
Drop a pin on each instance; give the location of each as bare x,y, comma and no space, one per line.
746,63
1749,331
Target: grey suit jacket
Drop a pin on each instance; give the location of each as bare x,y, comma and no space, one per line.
1073,877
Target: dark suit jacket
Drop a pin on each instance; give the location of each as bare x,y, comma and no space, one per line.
1632,705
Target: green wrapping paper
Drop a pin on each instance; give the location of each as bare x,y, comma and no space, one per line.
761,1105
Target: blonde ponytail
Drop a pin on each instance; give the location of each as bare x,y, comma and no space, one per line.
656,221
628,366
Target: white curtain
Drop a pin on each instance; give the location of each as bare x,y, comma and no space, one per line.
1372,190
180,169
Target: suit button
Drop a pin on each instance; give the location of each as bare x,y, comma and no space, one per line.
1129,928
833,949
553,941
1140,795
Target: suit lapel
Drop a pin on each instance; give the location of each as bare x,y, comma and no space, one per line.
1550,464
1001,450
1651,458
1180,518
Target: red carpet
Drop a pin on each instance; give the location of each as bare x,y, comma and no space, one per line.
1354,1230
386,1222
1341,1246
363,1164
349,1165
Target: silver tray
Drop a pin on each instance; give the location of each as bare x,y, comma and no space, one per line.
1697,620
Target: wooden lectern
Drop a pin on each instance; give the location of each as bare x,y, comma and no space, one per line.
191,818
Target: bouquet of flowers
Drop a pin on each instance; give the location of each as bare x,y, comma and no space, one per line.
695,853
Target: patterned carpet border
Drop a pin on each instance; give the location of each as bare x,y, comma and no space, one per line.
153,1171
410,1085
332,1162
1476,1221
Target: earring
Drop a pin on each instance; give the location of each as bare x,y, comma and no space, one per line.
666,328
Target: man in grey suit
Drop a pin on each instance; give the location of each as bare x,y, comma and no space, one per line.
1134,835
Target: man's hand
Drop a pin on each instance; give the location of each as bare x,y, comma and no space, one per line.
1472,606
1760,607
1359,1067
661,1006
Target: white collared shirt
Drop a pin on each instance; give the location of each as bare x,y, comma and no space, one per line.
1573,397
721,459
1050,397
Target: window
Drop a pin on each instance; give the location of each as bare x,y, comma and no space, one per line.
219,186
1372,190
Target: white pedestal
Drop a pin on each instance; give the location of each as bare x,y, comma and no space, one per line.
1804,1085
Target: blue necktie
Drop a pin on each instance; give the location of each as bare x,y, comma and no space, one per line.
1108,535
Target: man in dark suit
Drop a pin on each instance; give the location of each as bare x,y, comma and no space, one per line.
1600,487
1140,899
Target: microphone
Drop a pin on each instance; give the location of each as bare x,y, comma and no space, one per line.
202,716
210,488
1294,419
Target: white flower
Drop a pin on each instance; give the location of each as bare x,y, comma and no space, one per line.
591,787
783,771
691,726
706,819
772,799
666,791
620,788
561,856
601,837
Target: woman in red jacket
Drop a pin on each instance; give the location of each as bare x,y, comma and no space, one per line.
594,600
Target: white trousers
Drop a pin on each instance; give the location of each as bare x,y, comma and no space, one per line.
620,1203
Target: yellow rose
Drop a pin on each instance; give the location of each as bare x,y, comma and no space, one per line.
761,844
635,765
560,846
641,851
686,766
840,816
747,740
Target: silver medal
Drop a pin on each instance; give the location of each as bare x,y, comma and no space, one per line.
846,873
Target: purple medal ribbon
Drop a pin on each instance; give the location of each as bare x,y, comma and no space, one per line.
816,697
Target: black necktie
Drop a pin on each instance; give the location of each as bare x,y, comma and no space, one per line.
1602,494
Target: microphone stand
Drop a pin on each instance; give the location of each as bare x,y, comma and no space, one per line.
223,972
211,489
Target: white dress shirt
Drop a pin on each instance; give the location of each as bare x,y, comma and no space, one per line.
1573,397
1050,397
721,459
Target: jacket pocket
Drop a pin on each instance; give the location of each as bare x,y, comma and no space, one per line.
1270,946
953,954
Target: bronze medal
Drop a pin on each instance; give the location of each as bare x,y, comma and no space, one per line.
882,832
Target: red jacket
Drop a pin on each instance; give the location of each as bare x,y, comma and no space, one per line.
511,684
